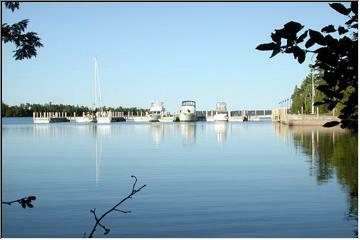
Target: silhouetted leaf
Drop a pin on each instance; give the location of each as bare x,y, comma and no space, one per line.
276,38
328,29
302,37
293,27
276,51
299,54
29,205
340,8
317,37
331,124
354,7
309,43
267,46
32,198
350,21
354,26
23,204
12,5
332,105
342,30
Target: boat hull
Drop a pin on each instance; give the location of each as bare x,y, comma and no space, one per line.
103,120
187,117
84,120
221,117
154,117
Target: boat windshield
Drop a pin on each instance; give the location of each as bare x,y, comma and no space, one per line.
188,103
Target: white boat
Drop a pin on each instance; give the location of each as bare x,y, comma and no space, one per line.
103,117
187,111
86,118
221,112
156,111
41,120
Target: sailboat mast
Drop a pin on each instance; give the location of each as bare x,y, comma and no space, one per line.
95,88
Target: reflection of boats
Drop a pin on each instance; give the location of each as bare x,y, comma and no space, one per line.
187,111
156,111
221,112
188,132
157,132
221,131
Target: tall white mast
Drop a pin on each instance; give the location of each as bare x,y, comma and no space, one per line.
97,86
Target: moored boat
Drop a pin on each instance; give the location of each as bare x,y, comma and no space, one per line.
156,111
187,111
221,112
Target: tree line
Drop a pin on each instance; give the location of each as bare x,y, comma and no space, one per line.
27,109
301,99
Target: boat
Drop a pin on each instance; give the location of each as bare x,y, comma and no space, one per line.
187,111
221,112
103,117
156,111
86,118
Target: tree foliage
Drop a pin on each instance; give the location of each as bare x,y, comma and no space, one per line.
26,43
336,51
26,110
301,97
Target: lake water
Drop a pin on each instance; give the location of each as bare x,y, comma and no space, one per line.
204,179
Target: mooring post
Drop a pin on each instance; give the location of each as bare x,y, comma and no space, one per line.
317,112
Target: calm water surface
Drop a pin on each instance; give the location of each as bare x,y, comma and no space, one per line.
252,179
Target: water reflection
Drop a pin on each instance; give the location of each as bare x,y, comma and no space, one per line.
332,152
99,132
221,130
188,132
157,132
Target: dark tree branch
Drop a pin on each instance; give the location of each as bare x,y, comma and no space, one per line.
26,43
24,202
114,208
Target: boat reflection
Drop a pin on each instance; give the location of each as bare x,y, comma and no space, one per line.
221,130
188,132
157,132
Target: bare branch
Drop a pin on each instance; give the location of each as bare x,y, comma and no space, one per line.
122,211
114,208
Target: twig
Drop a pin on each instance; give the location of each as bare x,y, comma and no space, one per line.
24,202
114,208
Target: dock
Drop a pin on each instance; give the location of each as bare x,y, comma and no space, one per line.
283,116
50,117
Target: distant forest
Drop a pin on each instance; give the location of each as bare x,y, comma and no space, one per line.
27,109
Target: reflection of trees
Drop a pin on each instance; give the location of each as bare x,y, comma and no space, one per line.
333,153
345,161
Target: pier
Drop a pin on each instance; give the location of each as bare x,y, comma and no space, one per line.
205,115
50,117
283,116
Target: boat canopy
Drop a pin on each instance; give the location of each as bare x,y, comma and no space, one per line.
188,103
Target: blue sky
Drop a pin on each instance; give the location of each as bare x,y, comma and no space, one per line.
167,51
